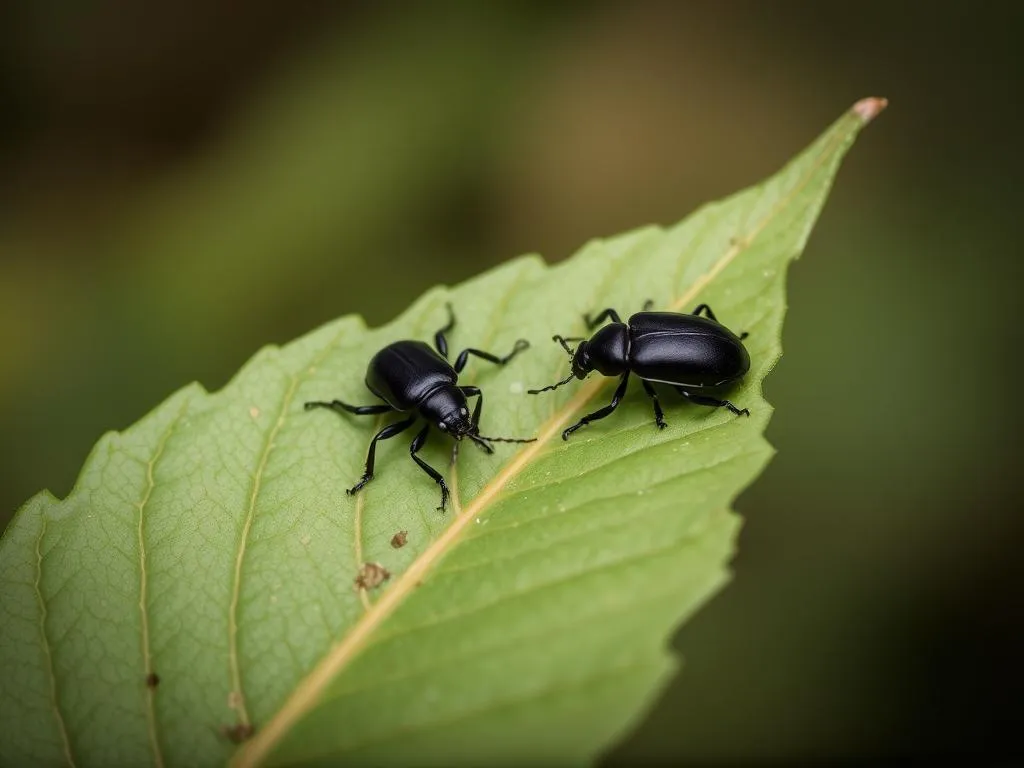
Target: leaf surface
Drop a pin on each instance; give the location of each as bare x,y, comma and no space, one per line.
211,548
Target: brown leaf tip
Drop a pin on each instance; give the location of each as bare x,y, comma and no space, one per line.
371,575
869,108
399,539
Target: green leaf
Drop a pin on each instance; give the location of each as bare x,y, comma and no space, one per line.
212,543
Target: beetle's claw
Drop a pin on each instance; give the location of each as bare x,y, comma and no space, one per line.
444,499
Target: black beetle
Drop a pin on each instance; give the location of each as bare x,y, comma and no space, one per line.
689,352
409,376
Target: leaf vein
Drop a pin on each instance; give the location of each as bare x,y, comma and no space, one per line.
492,330
598,468
361,500
532,591
147,656
492,530
476,650
51,673
237,697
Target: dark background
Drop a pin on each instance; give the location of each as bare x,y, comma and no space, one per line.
181,183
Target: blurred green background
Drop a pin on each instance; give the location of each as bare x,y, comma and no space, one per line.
181,183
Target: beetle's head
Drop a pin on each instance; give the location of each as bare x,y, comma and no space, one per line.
581,362
456,423
446,408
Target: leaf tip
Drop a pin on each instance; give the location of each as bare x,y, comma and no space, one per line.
868,109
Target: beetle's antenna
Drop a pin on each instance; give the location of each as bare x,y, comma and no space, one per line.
479,441
556,385
508,439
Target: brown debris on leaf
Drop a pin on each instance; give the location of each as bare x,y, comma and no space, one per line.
371,575
399,539
237,733
152,680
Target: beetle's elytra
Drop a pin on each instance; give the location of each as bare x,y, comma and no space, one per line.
412,378
693,354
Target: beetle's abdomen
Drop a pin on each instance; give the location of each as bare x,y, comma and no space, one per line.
686,350
404,373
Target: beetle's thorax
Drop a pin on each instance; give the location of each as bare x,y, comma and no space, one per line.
446,408
607,352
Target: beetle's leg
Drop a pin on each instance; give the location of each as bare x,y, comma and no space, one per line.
600,413
389,431
706,310
714,402
659,417
607,314
711,315
439,340
460,361
418,442
473,392
358,410
648,306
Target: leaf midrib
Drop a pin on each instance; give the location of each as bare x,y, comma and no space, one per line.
308,691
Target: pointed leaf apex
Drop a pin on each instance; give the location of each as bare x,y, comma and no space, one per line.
868,109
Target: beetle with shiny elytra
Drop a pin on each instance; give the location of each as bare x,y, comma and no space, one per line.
411,378
689,352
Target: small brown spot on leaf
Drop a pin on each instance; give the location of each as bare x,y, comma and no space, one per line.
237,733
152,680
399,539
371,575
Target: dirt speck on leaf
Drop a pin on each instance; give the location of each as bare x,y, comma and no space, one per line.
399,539
371,575
152,680
237,733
